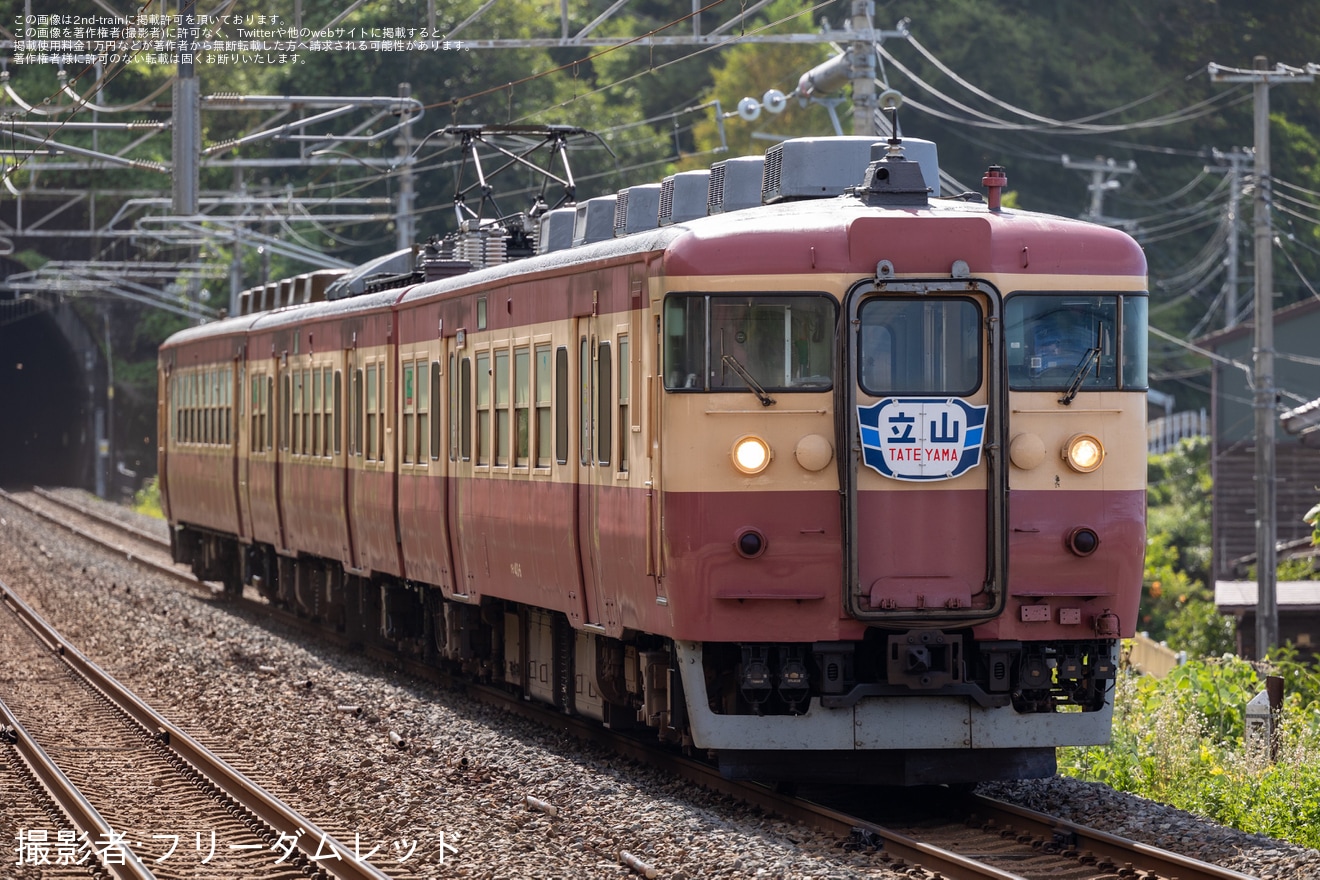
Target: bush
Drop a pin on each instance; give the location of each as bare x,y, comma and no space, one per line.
1180,741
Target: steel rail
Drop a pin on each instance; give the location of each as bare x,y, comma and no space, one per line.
1118,850
839,824
68,798
310,839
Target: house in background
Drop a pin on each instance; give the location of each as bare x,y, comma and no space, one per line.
1297,464
1233,445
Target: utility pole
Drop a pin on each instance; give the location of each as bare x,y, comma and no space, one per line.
1261,76
1104,174
1236,160
405,221
187,117
862,71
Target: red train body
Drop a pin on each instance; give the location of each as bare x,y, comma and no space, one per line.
846,488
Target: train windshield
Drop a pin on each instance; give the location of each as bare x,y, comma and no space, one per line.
1085,342
920,345
753,342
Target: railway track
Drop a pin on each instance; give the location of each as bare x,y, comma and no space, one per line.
138,796
958,837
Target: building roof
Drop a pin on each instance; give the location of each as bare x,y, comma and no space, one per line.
1295,595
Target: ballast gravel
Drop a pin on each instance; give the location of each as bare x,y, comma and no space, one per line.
431,783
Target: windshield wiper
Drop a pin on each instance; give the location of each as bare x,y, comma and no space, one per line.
1092,356
736,365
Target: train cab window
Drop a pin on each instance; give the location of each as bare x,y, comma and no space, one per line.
1086,342
522,405
544,384
919,345
744,342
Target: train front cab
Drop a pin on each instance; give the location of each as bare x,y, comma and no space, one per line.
987,575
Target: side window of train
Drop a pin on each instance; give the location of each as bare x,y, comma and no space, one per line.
624,433
465,411
561,405
483,409
409,413
544,385
604,404
286,395
337,410
522,406
502,400
435,410
359,412
584,402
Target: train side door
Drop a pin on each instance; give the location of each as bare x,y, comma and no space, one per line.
924,411
590,471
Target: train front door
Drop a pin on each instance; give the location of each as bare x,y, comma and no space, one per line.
923,414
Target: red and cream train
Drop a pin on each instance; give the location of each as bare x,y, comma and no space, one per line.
842,486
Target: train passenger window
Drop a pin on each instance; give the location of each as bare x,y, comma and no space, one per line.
359,411
435,410
329,378
310,381
336,409
298,412
270,428
1058,341
561,404
453,408
744,342
285,397
255,409
373,392
409,416
318,413
584,402
522,402
919,345
604,404
423,411
544,384
465,411
623,403
483,409
502,421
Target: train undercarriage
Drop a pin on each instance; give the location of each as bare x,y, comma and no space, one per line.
848,712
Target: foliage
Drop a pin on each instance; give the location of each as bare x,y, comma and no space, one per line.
1176,604
147,499
1312,519
1181,741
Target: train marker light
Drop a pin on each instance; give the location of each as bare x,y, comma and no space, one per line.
1084,453
751,454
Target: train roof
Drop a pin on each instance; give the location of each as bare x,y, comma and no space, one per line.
841,234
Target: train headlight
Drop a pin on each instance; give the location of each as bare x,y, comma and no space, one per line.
1084,453
751,454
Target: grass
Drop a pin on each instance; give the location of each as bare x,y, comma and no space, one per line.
1182,741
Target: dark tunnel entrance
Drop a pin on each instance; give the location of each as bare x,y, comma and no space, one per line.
45,416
